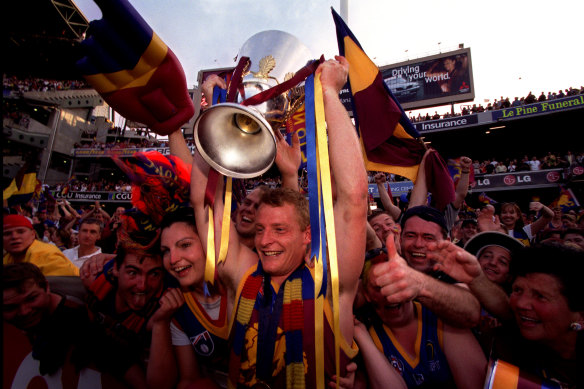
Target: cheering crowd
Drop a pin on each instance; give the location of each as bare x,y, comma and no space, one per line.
425,295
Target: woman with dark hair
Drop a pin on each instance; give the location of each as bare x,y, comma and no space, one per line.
196,329
543,336
548,308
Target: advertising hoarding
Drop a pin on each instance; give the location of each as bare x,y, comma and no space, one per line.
435,80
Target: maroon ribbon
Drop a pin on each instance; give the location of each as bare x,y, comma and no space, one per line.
300,76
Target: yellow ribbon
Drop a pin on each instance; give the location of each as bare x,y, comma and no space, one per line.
319,300
327,198
225,225
210,264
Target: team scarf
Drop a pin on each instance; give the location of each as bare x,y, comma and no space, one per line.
101,296
256,304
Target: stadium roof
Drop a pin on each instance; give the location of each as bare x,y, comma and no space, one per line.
41,38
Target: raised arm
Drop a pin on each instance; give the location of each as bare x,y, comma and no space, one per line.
388,205
462,185
349,175
546,216
419,194
178,146
239,258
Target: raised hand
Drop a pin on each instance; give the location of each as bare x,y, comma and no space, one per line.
487,220
169,303
397,281
209,85
333,74
454,261
288,157
133,69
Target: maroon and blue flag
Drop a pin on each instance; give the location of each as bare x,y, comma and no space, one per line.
135,72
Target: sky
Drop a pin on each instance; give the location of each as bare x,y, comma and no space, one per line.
517,46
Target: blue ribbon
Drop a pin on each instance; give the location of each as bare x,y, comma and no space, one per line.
317,224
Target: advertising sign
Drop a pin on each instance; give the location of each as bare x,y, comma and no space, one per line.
102,197
544,107
439,79
446,124
518,180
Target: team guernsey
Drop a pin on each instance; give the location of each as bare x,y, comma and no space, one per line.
274,333
208,337
429,367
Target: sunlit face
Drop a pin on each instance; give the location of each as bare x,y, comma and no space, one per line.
509,215
417,233
25,308
16,240
246,214
382,224
540,309
182,254
574,239
280,242
89,234
495,261
138,281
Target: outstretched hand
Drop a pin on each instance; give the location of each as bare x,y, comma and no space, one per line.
454,261
93,266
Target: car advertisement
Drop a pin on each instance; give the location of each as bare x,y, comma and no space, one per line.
440,79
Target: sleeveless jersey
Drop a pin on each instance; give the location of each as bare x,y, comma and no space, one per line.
429,368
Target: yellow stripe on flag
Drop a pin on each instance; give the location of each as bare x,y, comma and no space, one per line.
362,71
130,78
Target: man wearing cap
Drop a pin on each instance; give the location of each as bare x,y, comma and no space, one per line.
21,245
412,276
476,265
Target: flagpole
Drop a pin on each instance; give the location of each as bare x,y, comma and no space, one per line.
345,10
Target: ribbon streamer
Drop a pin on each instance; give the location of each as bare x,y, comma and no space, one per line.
327,198
317,230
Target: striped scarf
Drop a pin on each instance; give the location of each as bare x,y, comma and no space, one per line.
297,288
100,303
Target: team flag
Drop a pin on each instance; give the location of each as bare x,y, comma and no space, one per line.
456,171
566,200
133,69
389,141
23,187
483,198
